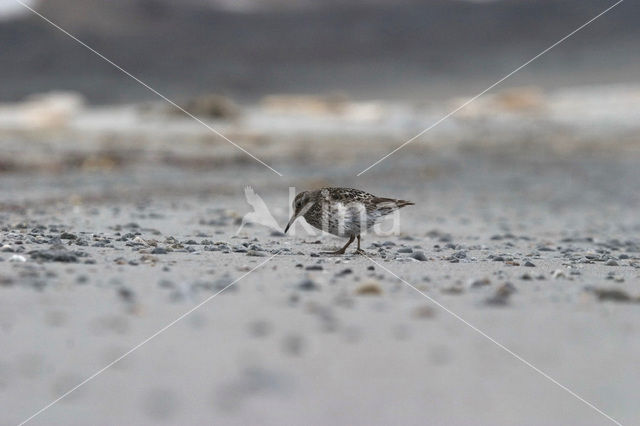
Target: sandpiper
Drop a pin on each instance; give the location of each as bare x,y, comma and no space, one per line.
344,212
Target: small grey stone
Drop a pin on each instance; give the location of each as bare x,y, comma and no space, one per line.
55,255
159,250
612,262
126,294
529,264
307,285
480,282
344,272
501,295
612,294
314,268
419,255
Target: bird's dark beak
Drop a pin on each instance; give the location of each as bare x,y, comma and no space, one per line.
293,219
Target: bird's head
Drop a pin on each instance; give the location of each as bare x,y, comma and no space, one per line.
301,204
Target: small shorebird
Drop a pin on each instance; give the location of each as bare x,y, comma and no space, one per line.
344,212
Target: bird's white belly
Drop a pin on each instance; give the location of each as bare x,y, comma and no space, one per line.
346,221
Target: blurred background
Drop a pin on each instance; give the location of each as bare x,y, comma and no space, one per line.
290,81
416,50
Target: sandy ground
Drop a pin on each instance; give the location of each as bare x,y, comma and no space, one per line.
107,238
324,339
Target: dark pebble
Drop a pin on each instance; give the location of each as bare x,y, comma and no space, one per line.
501,295
63,256
480,283
314,268
419,255
344,272
307,285
126,294
612,294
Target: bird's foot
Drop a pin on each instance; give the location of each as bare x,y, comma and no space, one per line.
360,252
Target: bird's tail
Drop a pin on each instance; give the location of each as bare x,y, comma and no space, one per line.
404,203
391,202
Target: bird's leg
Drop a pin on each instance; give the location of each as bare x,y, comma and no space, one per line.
359,250
342,250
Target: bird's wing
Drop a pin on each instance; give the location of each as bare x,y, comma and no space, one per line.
345,195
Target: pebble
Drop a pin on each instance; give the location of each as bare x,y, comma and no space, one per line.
419,255
529,264
371,288
405,250
314,268
17,258
502,295
140,241
159,250
54,255
307,285
5,281
481,282
612,294
126,294
612,262
424,312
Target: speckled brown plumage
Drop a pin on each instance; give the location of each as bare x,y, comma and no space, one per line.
344,212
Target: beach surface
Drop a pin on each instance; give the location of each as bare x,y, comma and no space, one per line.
517,272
